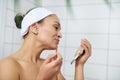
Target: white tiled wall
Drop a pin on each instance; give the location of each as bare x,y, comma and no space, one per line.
91,19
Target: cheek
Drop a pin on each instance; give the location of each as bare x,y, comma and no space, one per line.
47,38
46,35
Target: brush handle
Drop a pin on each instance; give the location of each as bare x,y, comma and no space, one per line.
78,55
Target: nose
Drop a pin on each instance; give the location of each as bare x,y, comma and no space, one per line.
59,34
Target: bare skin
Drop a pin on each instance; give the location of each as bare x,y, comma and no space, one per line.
17,69
26,64
79,65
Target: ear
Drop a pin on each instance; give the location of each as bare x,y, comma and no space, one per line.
34,28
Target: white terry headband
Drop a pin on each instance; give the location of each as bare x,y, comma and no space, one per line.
32,17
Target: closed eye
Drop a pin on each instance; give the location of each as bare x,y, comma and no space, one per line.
56,27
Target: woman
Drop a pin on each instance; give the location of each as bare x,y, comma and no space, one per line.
40,29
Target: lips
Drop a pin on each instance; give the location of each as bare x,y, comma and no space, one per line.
57,41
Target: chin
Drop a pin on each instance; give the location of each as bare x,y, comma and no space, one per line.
52,48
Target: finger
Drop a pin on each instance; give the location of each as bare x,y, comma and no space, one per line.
58,54
59,57
79,51
87,51
50,58
56,50
58,60
87,44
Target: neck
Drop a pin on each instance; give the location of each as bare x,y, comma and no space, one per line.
30,50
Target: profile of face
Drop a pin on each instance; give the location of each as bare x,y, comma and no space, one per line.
49,32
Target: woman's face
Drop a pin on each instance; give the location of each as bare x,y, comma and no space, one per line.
49,32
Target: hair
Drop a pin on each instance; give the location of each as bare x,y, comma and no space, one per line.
19,17
18,20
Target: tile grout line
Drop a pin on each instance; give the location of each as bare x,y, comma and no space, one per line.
108,44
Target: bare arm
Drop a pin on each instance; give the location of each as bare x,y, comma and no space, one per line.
79,72
79,65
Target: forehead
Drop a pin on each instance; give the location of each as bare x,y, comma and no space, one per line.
52,18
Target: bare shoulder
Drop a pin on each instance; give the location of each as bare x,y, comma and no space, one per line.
9,62
9,69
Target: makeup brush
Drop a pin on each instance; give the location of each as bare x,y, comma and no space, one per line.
78,55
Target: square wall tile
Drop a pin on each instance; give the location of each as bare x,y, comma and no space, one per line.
1,49
35,2
10,4
95,72
80,2
32,1
115,11
53,2
8,35
45,53
115,1
70,53
114,73
99,56
16,36
16,47
61,50
7,50
97,41
115,26
67,77
114,42
90,12
73,40
61,12
10,18
88,26
26,6
63,23
114,57
69,69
